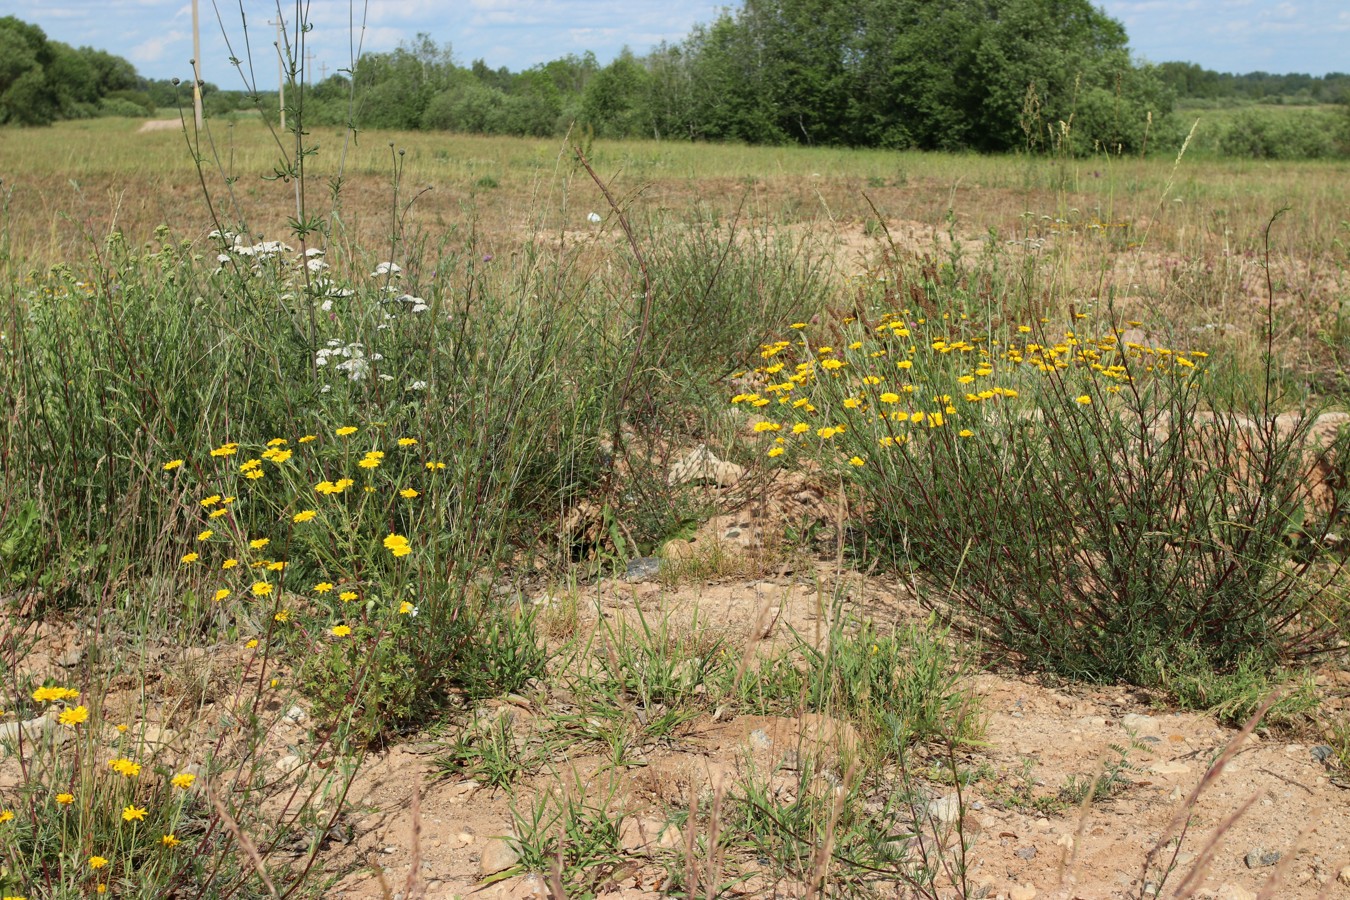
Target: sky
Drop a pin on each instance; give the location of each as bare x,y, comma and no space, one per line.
156,35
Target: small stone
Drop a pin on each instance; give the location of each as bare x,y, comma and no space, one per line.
700,466
759,740
1140,725
465,838
1343,876
70,659
1022,892
1025,853
644,568
499,854
288,764
1169,767
295,715
1321,753
1257,858
945,811
33,730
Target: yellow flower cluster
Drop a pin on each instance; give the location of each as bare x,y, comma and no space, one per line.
858,389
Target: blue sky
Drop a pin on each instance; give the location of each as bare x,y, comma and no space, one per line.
156,35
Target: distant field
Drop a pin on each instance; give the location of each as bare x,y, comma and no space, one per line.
67,185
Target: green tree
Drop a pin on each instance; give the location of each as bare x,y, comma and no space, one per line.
614,103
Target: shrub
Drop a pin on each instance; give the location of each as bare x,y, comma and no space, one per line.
1093,505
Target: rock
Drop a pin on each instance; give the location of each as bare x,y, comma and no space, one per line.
1169,768
1140,725
1343,876
700,466
677,550
945,811
1257,858
1025,853
70,659
33,730
646,835
759,740
1233,892
643,568
499,854
295,715
288,764
1321,753
1022,892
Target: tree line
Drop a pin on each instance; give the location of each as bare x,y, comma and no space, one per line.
986,75
43,81
1192,82
983,75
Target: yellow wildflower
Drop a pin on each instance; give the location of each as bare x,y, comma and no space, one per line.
72,717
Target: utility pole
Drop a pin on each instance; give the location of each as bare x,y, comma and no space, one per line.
196,66
281,73
323,71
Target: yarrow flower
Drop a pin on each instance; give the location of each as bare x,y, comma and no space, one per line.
172,464
65,799
261,588
341,630
347,596
97,862
398,545
323,587
304,515
408,493
183,780
407,609
133,813
346,430
190,558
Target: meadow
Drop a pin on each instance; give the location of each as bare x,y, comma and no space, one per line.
402,513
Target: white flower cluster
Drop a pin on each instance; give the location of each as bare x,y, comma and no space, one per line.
417,304
355,364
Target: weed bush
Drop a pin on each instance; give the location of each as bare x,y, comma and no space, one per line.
1092,504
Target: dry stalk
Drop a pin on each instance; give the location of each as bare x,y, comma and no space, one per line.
1211,775
244,842
414,888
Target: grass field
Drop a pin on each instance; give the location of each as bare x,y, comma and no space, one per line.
551,486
